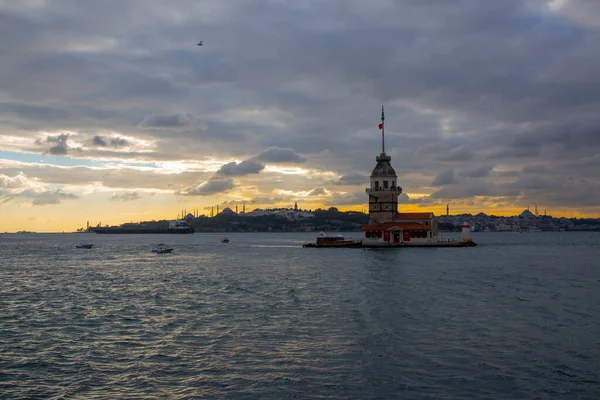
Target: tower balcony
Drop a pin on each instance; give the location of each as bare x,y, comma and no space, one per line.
395,189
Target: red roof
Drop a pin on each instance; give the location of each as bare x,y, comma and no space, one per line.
414,215
401,225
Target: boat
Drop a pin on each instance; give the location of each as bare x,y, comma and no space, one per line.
334,241
162,249
175,227
224,240
85,246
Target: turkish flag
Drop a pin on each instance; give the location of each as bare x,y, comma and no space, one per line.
380,126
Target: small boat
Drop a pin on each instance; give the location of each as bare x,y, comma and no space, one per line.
85,246
162,249
224,240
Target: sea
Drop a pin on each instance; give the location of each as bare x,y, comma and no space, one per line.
261,317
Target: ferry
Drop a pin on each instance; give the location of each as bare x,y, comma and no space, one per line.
334,241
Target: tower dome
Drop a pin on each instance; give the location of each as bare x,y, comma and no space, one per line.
383,169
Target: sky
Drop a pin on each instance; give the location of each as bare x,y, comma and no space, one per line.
110,112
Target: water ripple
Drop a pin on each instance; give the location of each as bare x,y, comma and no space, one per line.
264,318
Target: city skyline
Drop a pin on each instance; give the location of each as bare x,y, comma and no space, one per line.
110,112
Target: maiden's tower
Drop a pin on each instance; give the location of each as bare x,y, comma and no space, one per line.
388,227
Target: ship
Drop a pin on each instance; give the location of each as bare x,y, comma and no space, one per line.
175,227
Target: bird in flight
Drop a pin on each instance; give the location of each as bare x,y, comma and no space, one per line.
200,43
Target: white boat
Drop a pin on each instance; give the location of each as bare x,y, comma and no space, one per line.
162,248
224,240
334,241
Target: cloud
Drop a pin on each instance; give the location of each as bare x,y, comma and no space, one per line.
479,172
461,153
21,187
466,85
245,167
535,169
60,147
168,121
99,141
444,178
128,196
317,192
210,187
280,155
118,142
18,181
114,142
352,179
47,197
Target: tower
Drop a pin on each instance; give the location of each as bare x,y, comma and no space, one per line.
466,232
236,209
295,206
383,191
447,210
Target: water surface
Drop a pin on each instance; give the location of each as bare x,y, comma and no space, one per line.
261,317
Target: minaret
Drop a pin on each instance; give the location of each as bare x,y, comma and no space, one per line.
236,209
295,206
383,192
447,210
212,211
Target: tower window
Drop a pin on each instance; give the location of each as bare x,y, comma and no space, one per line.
376,185
385,184
393,184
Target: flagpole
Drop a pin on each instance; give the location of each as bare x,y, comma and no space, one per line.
382,132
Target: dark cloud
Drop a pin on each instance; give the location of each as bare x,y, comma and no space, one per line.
47,197
535,169
461,153
114,142
99,141
353,179
479,172
246,167
444,178
128,196
118,142
168,121
280,155
208,188
41,197
317,192
60,147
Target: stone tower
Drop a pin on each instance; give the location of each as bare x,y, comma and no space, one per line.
384,191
